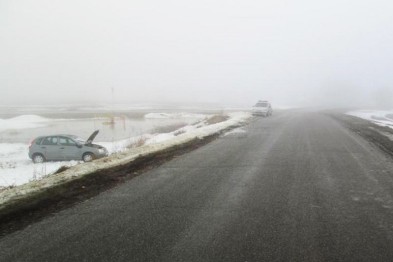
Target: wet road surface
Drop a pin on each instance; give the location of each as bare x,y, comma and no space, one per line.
293,187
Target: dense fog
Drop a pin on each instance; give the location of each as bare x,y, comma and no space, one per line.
294,53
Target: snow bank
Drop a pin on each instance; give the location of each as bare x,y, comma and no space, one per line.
153,145
174,116
383,118
159,138
23,122
125,144
17,169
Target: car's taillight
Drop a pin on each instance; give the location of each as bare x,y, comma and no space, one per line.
31,143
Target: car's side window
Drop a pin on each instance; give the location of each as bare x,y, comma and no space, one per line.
65,141
50,141
71,142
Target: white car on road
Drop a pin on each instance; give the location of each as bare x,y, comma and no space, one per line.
262,108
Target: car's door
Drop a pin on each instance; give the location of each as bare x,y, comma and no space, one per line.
51,148
69,149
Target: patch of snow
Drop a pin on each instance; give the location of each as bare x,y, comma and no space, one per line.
22,122
160,138
16,168
382,118
125,144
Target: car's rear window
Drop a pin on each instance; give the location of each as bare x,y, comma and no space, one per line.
38,140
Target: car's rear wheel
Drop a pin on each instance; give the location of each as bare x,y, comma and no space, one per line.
87,157
38,158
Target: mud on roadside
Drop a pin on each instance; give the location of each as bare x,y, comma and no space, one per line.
379,135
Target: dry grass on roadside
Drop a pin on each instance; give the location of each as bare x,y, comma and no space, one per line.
3,188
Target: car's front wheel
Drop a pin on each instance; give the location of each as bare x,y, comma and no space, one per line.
87,157
38,158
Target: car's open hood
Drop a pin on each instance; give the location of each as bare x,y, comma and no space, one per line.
91,137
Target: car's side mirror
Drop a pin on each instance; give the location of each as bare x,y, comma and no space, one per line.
79,145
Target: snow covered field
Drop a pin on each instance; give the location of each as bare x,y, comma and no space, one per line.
17,169
383,118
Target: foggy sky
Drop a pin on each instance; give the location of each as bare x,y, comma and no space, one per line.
295,53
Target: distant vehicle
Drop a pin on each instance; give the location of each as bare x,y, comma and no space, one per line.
262,108
65,147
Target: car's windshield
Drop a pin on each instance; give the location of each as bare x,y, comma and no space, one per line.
262,104
78,139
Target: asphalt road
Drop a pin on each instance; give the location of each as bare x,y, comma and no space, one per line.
293,187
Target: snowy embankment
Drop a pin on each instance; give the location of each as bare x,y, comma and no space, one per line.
152,144
16,168
382,118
